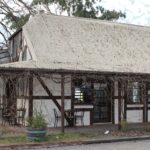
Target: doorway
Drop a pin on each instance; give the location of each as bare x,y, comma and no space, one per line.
102,103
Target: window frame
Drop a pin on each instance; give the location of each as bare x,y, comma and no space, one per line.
147,89
81,93
130,88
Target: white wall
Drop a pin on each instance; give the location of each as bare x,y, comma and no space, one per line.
135,116
148,115
47,106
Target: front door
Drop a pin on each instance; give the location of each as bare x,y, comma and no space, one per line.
102,105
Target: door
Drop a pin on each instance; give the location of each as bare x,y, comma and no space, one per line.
102,105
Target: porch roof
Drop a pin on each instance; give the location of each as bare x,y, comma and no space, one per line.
69,43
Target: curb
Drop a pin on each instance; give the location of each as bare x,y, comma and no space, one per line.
139,138
71,143
39,145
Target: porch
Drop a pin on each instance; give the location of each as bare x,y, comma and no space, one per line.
104,97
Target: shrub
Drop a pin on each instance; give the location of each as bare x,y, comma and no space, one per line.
37,121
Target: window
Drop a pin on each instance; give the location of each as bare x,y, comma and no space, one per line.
83,92
24,54
134,93
148,93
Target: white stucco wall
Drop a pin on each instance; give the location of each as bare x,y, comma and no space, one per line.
47,106
135,116
148,115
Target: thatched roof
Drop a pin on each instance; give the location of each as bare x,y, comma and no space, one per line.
58,42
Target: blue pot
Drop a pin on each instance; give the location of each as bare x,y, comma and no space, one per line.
36,134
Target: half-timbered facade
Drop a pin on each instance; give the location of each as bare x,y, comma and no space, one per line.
73,64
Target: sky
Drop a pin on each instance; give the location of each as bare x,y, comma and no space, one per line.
137,11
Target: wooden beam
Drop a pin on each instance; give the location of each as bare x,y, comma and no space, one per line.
119,105
30,96
38,97
47,97
144,100
125,100
72,99
112,102
134,108
48,91
62,103
51,95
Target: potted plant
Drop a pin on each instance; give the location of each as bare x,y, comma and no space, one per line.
37,127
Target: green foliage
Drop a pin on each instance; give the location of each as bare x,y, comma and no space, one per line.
15,19
83,8
16,22
37,121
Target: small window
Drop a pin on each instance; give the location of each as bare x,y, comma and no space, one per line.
134,93
24,54
83,92
148,93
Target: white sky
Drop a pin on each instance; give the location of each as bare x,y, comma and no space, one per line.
137,11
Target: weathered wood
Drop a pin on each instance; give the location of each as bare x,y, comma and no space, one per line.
72,99
134,108
43,97
30,96
119,105
112,102
62,103
47,97
125,100
51,96
144,100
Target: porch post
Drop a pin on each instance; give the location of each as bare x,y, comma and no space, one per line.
72,100
119,104
144,100
30,96
112,101
62,103
125,100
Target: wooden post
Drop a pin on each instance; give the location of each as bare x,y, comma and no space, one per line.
72,100
125,100
119,105
30,96
144,100
112,102
62,103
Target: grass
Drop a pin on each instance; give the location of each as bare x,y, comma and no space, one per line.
13,139
76,136
21,138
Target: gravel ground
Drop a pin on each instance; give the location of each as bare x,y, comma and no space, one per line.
139,145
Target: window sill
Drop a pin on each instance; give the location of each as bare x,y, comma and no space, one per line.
83,104
135,103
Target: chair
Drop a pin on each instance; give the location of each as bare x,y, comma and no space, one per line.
79,115
57,117
20,118
7,117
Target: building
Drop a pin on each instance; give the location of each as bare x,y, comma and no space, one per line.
76,64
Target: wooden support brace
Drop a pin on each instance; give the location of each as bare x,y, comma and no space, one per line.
51,96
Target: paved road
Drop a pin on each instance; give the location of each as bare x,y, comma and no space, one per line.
139,145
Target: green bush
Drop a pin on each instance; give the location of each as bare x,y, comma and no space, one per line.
37,121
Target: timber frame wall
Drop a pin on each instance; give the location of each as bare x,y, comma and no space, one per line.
120,78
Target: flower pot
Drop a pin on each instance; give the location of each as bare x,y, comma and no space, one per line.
36,134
